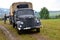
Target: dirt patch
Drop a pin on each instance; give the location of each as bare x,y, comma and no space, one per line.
39,37
36,35
7,33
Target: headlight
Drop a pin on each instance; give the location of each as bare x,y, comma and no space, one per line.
21,23
38,21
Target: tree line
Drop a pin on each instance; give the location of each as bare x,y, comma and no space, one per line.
44,14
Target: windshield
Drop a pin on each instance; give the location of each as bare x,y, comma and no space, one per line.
25,12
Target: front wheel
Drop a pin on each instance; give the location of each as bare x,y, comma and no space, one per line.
38,30
19,31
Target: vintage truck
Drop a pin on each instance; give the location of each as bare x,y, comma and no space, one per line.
22,17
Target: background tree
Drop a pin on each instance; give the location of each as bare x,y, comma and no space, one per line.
58,16
44,13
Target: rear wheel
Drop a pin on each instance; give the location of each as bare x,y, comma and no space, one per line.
38,30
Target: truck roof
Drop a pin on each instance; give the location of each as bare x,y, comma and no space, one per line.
19,5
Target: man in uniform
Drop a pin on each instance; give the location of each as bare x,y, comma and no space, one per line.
5,18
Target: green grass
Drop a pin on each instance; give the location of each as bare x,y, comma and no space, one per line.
2,36
50,30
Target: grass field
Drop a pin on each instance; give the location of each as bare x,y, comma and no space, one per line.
50,29
2,36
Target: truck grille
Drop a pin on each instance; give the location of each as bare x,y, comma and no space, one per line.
29,22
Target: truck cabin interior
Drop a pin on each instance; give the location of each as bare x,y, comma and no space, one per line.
22,6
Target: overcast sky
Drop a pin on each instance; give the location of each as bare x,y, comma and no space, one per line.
51,5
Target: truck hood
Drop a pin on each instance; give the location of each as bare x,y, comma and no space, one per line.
25,16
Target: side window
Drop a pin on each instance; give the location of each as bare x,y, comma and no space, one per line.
36,14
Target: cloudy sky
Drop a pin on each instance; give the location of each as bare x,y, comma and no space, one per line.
51,5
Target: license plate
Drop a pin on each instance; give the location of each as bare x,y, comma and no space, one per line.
27,28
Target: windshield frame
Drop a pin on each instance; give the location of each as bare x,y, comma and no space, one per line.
32,11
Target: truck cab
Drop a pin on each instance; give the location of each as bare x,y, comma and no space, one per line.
25,19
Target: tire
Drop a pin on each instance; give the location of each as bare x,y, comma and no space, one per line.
13,25
38,30
19,32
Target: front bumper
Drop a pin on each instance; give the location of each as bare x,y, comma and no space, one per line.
29,28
